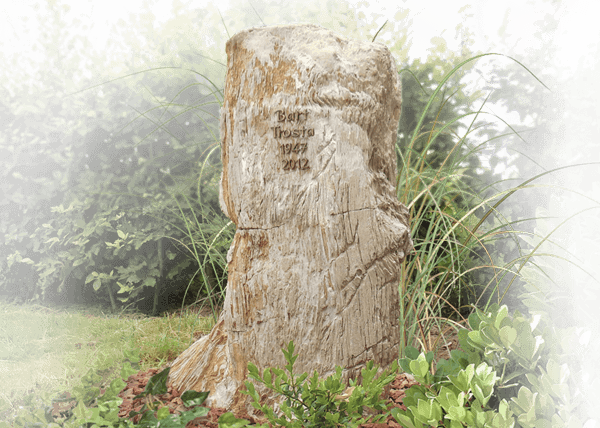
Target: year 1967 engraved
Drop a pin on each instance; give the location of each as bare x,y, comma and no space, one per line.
295,148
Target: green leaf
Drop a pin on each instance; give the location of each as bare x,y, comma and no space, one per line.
479,393
502,313
508,335
332,418
51,241
411,352
162,413
149,282
429,412
47,272
267,377
477,338
89,229
525,402
449,398
463,380
463,339
458,414
404,419
91,277
420,366
474,321
228,420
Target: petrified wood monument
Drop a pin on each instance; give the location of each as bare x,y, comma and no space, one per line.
308,129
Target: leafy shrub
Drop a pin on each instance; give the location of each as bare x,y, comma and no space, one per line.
110,195
314,402
508,374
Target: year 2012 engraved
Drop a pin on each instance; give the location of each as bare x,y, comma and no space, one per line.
295,164
291,149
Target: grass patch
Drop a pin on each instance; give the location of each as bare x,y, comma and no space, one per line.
45,351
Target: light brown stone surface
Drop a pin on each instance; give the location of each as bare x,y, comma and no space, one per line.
320,234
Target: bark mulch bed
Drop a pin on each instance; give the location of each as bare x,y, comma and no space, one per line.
136,384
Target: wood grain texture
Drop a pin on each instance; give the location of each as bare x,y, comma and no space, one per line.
317,252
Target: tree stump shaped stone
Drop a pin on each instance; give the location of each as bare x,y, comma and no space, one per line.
308,132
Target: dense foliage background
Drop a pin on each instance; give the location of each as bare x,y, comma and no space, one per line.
111,158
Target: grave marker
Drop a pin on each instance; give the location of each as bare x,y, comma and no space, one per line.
308,132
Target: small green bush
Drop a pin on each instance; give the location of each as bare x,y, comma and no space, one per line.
508,374
315,402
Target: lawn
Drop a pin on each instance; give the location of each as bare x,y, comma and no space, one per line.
45,351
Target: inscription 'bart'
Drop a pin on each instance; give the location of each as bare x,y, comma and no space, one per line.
297,116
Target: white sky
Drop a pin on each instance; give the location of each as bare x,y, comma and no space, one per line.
430,18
